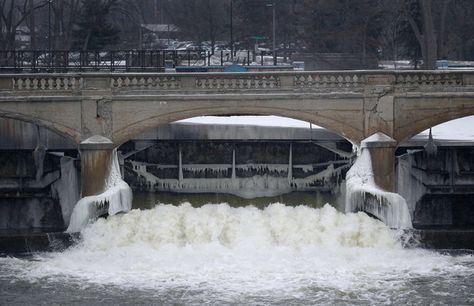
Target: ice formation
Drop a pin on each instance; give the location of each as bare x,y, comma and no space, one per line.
246,187
363,194
38,156
116,198
67,187
410,181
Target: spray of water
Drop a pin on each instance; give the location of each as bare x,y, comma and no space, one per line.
219,254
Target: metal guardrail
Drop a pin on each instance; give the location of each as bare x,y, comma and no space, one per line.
121,60
35,61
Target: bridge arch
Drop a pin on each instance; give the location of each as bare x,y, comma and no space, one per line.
425,123
67,132
413,116
344,129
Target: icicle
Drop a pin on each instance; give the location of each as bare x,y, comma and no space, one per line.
390,207
116,198
430,147
67,187
38,155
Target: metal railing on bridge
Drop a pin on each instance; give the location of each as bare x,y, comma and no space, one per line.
14,61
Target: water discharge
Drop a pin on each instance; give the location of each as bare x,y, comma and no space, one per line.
222,255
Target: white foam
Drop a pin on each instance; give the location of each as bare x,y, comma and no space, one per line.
275,252
221,255
276,225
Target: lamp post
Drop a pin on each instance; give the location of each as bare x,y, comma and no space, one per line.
272,5
49,25
231,31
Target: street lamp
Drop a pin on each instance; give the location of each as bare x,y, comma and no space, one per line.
272,5
49,24
231,32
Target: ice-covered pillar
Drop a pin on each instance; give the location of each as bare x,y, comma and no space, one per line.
233,164
382,151
290,163
180,164
96,155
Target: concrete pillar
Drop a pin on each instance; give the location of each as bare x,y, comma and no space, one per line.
180,164
96,159
290,164
382,152
383,166
233,164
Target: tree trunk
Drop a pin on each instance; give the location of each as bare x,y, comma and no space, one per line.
442,43
430,44
426,37
85,46
32,25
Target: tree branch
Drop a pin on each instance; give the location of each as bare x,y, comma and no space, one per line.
413,24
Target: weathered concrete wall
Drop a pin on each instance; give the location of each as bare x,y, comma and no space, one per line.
439,187
30,212
26,199
21,135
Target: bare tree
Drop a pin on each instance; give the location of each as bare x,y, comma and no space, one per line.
200,20
13,14
65,14
430,39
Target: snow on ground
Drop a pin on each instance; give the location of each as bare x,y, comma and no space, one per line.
459,129
250,120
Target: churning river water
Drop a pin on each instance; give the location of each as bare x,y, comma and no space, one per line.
217,254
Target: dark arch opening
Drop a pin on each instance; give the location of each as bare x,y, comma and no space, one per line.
175,165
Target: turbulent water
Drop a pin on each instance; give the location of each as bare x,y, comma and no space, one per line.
216,254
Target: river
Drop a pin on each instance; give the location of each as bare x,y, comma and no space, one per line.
220,254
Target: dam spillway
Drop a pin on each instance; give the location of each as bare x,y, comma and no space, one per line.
247,161
214,252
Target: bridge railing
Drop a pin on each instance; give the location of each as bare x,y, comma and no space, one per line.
38,61
323,81
120,60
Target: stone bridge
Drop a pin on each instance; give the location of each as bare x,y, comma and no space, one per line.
119,106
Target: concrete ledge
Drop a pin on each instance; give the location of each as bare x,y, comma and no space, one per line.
97,146
23,243
445,238
97,142
379,140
